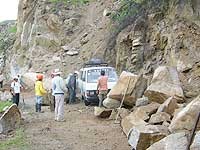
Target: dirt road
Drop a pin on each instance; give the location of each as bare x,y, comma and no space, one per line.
81,131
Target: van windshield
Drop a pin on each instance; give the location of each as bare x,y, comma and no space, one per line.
94,74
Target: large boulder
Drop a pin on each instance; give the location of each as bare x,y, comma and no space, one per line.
185,119
138,117
111,103
165,84
10,119
141,137
136,87
176,141
168,106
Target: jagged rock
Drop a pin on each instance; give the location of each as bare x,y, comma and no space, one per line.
47,40
111,103
185,119
165,84
159,118
138,117
102,112
168,106
106,12
137,42
183,66
166,124
122,113
196,143
177,141
142,101
10,119
65,48
135,90
56,58
84,41
53,22
141,137
72,53
150,108
71,22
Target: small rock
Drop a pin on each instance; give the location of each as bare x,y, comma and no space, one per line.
142,101
102,112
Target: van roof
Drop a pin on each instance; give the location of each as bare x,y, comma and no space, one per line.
99,67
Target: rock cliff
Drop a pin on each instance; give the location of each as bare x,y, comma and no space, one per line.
61,34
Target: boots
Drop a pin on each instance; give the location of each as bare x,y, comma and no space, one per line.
39,108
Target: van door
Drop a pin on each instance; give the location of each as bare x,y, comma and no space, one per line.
81,82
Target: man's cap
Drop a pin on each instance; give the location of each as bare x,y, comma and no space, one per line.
56,72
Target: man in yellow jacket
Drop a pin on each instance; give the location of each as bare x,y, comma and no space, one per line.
39,92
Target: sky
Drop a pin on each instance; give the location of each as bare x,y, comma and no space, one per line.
8,9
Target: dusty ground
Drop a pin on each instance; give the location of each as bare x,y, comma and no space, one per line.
81,131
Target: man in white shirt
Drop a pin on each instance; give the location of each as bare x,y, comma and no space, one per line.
58,87
15,90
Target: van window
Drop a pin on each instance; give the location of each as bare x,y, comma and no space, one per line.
94,74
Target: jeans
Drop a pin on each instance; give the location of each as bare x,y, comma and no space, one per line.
16,99
72,95
38,103
39,99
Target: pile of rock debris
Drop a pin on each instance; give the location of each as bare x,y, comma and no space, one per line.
160,116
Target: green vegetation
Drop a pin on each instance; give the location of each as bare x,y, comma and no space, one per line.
4,104
12,29
131,9
128,9
16,142
73,2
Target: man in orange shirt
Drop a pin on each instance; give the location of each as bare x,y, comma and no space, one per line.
102,87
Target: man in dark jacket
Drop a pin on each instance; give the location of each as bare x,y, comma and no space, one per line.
72,87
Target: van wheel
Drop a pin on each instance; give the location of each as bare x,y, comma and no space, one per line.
86,102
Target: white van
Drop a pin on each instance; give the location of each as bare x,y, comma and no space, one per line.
87,82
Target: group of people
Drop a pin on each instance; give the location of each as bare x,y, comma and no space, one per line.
58,89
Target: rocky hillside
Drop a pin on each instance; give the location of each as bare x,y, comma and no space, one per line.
137,36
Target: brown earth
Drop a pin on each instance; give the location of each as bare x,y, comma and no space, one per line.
81,131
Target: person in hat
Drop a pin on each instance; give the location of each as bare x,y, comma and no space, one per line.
39,92
72,87
58,86
15,90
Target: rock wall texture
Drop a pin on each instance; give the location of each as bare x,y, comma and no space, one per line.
61,35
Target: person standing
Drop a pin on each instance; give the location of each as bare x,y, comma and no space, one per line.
72,87
52,99
102,87
59,89
15,90
1,80
39,92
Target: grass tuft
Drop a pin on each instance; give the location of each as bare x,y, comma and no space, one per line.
16,142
